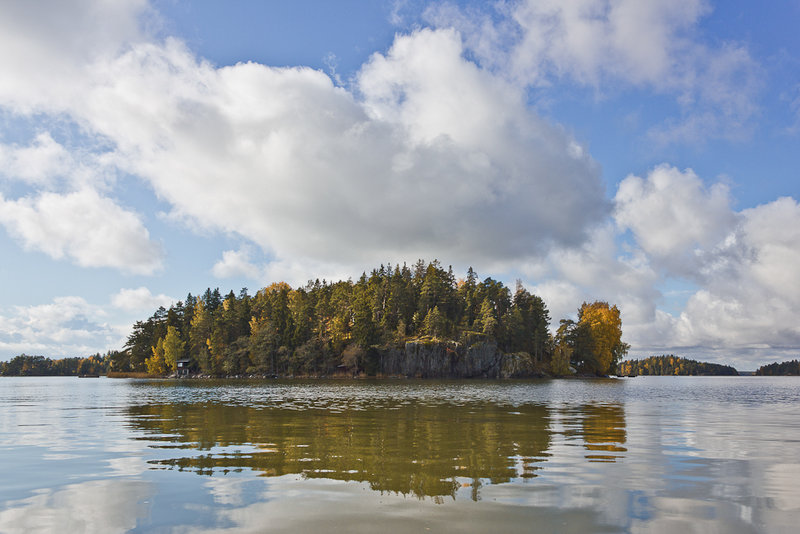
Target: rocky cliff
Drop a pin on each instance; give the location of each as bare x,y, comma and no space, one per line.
472,358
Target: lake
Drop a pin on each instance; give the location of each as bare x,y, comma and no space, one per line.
646,454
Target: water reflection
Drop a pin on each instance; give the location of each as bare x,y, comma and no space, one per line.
649,455
604,431
97,506
408,448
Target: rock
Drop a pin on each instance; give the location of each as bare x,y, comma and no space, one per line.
431,358
518,365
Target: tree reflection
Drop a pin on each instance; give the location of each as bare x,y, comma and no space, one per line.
413,448
604,430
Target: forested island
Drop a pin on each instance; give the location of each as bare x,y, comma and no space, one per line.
417,321
670,365
790,368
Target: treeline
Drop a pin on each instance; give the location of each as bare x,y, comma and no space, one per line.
328,328
673,365
25,365
779,369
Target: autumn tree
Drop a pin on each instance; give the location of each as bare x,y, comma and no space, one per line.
173,346
604,347
156,364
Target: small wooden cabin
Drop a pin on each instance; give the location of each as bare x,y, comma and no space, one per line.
183,367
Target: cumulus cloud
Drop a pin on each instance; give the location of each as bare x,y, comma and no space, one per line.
236,263
590,40
68,326
674,217
140,299
46,164
429,156
744,261
597,271
608,44
91,230
37,163
295,272
739,266
51,46
751,303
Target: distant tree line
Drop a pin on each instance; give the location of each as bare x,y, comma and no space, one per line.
779,369
25,365
673,365
325,328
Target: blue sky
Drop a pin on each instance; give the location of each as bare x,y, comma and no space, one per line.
644,153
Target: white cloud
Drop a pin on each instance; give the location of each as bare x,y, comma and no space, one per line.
37,163
597,271
745,262
431,157
140,299
91,230
65,327
589,40
50,47
751,303
45,163
674,217
742,264
610,45
237,263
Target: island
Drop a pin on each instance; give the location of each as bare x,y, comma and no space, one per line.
410,321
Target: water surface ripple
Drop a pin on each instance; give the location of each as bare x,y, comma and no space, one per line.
650,454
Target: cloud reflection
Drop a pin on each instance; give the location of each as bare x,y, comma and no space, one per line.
97,506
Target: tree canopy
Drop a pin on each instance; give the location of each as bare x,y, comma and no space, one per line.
308,330
593,344
789,368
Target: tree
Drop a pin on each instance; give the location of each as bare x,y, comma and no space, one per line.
559,364
198,335
466,295
139,344
173,348
156,365
487,321
365,331
434,324
604,327
263,345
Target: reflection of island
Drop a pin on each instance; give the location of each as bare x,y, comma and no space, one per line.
600,426
410,448
604,431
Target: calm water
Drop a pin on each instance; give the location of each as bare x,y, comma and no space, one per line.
649,454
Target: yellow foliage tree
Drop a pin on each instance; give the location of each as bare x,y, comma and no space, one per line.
605,333
156,365
173,348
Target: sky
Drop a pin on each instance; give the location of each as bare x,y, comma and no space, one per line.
644,153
